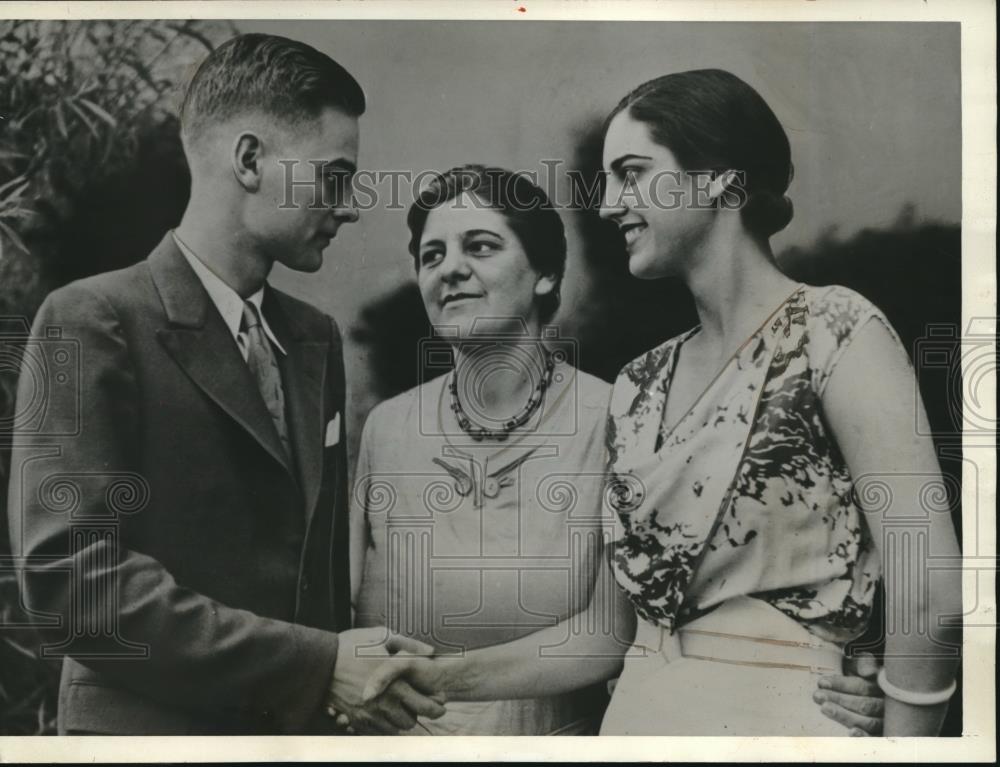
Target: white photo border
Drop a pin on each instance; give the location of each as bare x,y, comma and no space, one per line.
979,205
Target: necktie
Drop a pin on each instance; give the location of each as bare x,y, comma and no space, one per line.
264,367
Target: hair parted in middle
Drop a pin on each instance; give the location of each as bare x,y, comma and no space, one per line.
524,205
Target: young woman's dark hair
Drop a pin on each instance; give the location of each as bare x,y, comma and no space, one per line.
526,208
713,121
282,77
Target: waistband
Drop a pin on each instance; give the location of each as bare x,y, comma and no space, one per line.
743,634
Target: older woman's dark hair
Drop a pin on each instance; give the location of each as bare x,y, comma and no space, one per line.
526,208
257,72
713,121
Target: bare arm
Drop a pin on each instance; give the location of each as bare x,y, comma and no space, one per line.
872,405
580,650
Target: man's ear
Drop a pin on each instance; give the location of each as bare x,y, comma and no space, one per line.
247,160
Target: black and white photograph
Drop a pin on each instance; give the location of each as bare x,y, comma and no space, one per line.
589,369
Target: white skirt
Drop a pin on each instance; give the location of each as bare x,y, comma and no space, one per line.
744,669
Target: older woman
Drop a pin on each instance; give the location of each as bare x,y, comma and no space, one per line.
746,557
477,515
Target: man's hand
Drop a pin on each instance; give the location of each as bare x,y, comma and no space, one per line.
359,654
856,701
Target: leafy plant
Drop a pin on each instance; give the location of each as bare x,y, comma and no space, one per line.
75,98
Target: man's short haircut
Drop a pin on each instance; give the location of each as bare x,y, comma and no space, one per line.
284,78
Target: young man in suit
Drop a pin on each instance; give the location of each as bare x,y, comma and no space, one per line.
181,507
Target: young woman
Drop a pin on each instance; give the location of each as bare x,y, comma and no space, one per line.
744,560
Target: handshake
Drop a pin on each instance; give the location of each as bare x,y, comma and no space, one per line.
383,681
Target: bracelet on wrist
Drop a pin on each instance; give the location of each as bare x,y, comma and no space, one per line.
913,697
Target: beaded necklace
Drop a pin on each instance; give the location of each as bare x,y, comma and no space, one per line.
479,433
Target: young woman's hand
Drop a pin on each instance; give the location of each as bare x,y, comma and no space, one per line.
854,700
432,676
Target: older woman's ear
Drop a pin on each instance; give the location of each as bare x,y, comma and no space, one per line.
546,285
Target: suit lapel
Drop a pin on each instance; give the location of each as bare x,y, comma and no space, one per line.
304,373
201,344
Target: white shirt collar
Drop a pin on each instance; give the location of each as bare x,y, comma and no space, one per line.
226,300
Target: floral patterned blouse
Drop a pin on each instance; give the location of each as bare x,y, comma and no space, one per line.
748,493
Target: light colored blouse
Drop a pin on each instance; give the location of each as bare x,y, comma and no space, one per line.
748,493
472,544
